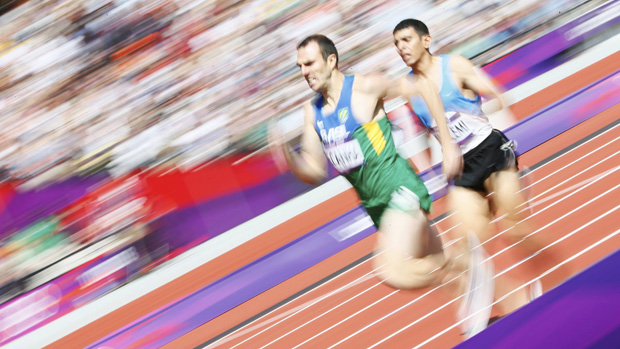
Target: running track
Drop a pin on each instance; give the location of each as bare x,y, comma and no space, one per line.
336,302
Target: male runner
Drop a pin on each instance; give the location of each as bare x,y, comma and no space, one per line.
347,123
489,161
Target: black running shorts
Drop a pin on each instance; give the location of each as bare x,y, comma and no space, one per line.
492,155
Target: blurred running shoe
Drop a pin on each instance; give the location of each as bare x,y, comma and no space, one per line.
475,310
535,290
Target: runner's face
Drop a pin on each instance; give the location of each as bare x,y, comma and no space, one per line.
410,46
313,67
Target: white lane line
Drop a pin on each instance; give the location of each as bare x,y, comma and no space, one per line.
447,230
557,241
383,317
589,182
499,274
322,314
235,334
568,152
308,304
572,163
417,321
554,221
369,306
527,284
573,188
576,191
258,323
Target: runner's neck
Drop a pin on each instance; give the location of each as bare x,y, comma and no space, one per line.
424,66
331,95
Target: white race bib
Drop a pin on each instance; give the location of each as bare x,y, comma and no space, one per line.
460,130
345,156
458,127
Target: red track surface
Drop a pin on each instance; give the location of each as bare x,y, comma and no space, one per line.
421,325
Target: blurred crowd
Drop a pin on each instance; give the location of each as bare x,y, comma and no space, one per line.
88,85
118,85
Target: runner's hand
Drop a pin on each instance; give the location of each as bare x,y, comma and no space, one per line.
277,145
452,164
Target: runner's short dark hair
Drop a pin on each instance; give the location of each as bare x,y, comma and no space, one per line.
326,46
417,25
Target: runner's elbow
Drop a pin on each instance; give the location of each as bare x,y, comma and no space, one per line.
313,175
313,178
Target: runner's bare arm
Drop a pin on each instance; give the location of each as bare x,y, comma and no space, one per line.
477,80
382,87
309,164
452,163
387,88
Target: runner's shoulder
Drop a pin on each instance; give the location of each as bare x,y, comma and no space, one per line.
308,108
367,82
374,84
460,64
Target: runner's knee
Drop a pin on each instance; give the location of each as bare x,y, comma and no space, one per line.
410,273
508,197
472,212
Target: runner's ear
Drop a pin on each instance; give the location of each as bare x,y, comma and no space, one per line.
331,61
426,41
